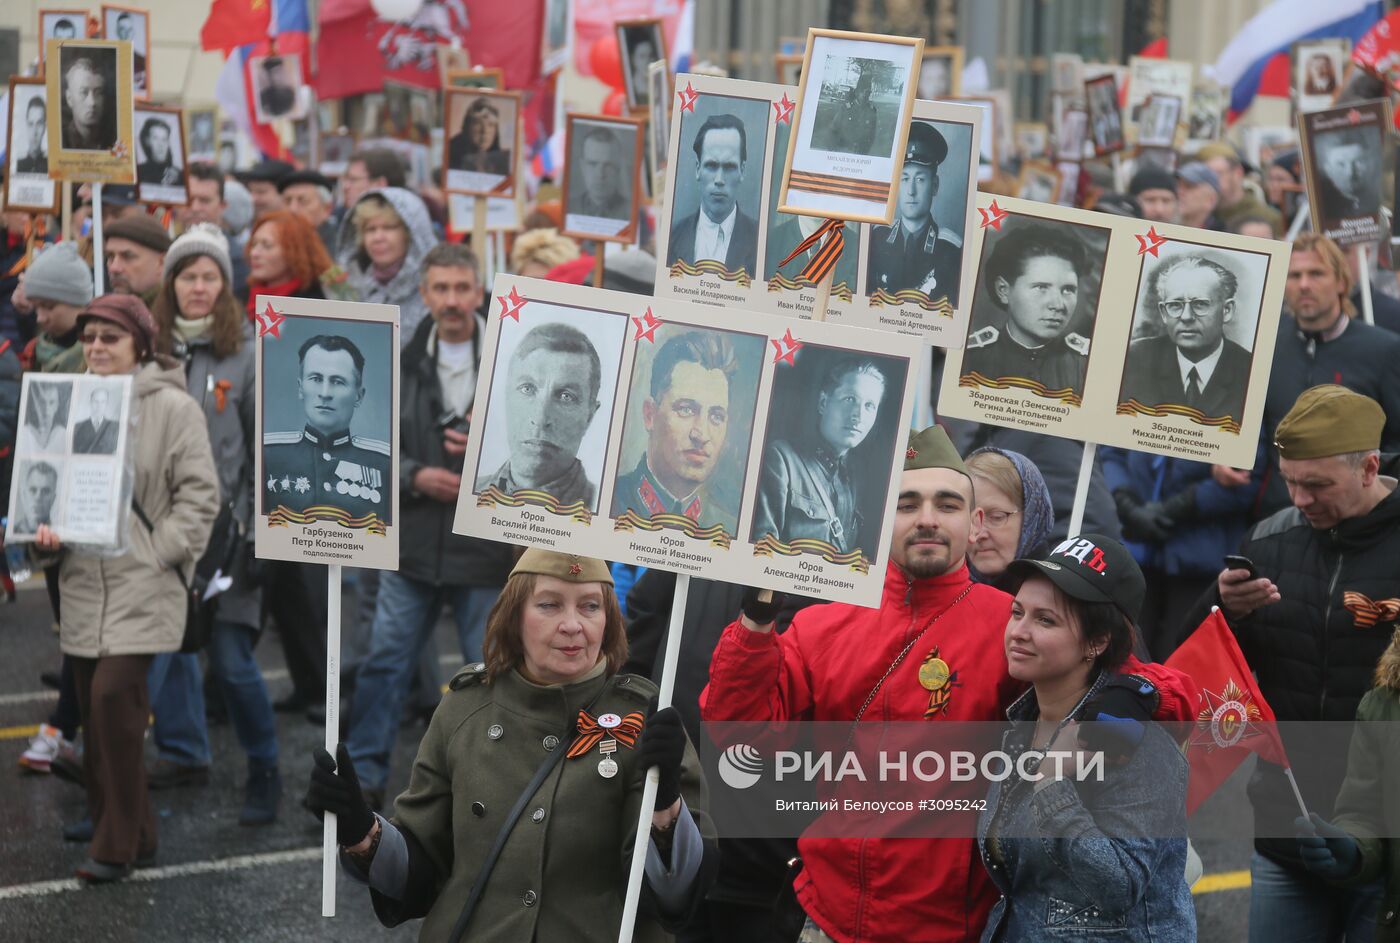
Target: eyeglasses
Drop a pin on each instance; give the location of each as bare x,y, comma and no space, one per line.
1200,307
108,338
996,519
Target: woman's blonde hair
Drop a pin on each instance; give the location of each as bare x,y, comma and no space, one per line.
543,246
503,649
1000,472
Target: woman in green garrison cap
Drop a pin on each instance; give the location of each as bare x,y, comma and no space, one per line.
521,811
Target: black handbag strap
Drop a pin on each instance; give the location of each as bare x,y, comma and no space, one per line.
513,816
141,514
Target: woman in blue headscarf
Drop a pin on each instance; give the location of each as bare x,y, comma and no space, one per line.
1017,515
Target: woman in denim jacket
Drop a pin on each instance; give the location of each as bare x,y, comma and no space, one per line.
1101,858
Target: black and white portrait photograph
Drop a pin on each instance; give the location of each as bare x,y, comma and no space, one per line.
61,24
1318,67
161,168
717,187
1105,115
89,110
1071,134
600,177
1209,104
28,187
483,130
204,134
1067,73
327,418
940,73
659,118
787,230
34,496
553,386
1035,304
1039,182
555,38
1343,152
832,423
44,425
276,87
88,89
922,248
1193,331
97,418
133,26
1032,139
639,43
689,421
1157,121
858,106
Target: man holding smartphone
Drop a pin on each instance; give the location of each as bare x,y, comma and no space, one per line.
1312,622
436,566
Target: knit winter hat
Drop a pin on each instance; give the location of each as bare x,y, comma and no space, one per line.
59,274
201,239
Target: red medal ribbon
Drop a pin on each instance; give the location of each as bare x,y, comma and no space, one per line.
589,732
826,258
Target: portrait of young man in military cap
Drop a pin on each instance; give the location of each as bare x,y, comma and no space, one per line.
689,421
1033,314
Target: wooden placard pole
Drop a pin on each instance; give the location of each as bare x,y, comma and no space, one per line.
479,235
663,699
329,849
66,190
598,254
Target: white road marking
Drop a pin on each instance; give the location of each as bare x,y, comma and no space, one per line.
236,863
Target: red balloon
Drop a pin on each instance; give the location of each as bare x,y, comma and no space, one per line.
616,102
606,62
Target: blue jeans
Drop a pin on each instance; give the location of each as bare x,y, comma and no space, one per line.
1288,905
240,680
177,700
404,617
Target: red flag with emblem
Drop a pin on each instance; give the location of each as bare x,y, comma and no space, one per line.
1232,719
233,23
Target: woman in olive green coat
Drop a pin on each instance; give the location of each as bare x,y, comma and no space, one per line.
549,690
1362,843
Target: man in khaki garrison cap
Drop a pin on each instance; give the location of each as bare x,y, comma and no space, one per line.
1312,621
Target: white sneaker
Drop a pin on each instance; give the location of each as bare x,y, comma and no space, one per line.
42,749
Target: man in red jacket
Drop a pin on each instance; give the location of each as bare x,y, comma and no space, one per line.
837,658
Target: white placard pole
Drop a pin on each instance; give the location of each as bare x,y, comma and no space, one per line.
1299,218
99,264
329,850
1363,275
663,699
1081,489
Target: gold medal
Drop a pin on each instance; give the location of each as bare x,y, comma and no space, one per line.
933,673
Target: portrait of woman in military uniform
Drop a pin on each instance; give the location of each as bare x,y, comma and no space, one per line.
1033,312
833,419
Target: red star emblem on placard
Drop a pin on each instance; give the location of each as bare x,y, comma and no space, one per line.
1150,243
786,346
784,109
119,149
992,216
511,305
646,327
270,322
688,96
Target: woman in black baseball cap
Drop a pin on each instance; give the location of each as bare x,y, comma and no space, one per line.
1106,853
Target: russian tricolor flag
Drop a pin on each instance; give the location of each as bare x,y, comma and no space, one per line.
1277,27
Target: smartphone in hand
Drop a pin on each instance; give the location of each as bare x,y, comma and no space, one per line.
1234,561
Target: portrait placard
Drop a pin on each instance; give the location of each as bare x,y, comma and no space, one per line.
658,122
1048,350
1343,153
60,24
162,172
556,35
940,73
1105,117
277,87
1067,74
1032,139
503,214
639,43
1039,182
327,472
853,110
1071,131
1210,101
132,25
89,97
28,187
203,137
687,437
1149,77
71,455
1319,66
1157,120
989,148
602,184
481,152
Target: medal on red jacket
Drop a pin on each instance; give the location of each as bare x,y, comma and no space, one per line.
938,679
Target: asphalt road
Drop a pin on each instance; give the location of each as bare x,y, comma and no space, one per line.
215,880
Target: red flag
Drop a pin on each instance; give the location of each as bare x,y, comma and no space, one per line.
232,23
1157,49
1233,720
1378,52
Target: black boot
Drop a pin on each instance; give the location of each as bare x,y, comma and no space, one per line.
260,797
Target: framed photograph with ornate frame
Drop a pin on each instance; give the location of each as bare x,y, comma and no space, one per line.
481,143
850,126
601,177
639,43
60,24
133,25
94,141
940,73
162,156
475,77
789,68
28,187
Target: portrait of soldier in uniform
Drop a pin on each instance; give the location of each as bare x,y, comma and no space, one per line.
550,397
34,158
686,415
913,252
276,87
89,98
719,229
856,106
1191,363
600,178
1033,274
324,462
808,487
125,28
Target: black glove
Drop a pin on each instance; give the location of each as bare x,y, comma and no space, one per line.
1141,521
1180,507
1326,850
335,788
663,746
761,613
1117,716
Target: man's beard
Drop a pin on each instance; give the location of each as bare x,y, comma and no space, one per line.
924,567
